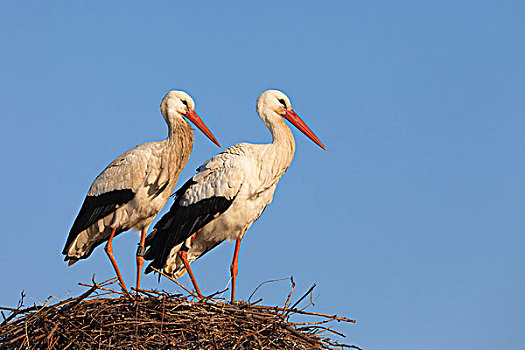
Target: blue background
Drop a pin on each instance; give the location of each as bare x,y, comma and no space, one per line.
411,222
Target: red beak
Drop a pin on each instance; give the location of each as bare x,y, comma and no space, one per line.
195,119
293,118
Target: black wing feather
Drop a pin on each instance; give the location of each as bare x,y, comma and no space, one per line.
95,208
179,223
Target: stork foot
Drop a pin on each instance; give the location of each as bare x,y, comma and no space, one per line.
234,270
141,251
140,263
109,251
184,256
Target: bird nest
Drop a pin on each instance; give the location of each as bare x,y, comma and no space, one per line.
105,318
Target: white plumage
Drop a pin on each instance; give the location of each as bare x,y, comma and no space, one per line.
227,195
133,188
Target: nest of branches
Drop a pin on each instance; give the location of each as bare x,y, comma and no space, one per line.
105,318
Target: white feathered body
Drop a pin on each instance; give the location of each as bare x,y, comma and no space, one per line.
150,171
246,173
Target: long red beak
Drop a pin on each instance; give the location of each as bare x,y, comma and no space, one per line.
293,118
195,119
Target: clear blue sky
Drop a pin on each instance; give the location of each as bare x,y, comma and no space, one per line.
412,222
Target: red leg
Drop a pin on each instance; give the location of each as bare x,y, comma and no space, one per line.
184,257
234,266
109,252
140,257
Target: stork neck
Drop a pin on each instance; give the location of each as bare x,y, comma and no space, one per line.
179,142
282,135
282,148
177,128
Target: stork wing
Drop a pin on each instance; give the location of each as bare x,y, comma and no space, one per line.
205,196
140,166
117,185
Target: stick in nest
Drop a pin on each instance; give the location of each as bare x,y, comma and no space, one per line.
102,317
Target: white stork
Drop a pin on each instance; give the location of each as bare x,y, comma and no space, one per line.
227,195
133,188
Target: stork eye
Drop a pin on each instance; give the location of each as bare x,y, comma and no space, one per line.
185,103
282,102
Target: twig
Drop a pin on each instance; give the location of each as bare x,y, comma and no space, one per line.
83,296
174,280
256,301
260,285
334,317
311,303
210,297
289,294
304,296
17,310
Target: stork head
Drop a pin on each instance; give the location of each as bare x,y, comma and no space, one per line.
275,104
178,104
